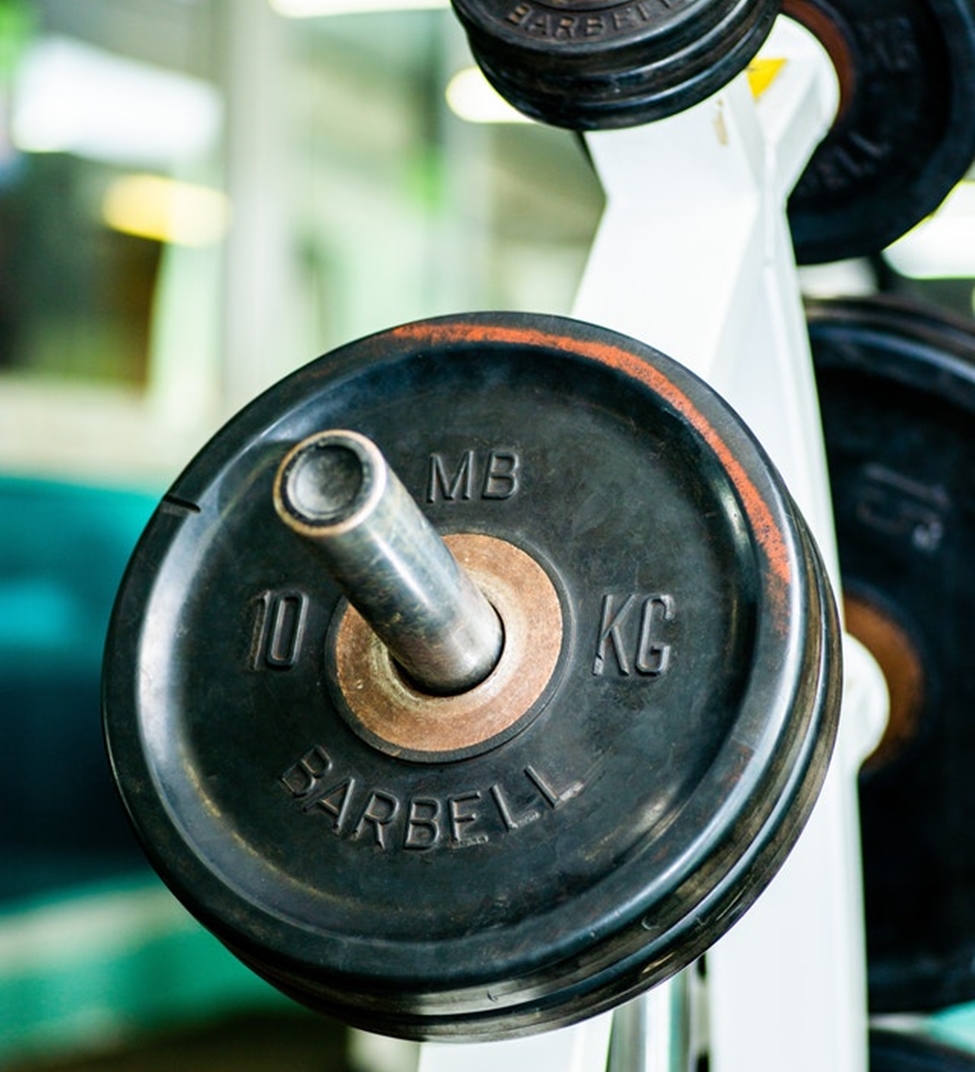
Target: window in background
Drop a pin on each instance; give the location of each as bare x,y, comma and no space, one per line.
94,96
197,196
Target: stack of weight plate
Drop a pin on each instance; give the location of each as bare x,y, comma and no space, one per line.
529,849
903,136
897,392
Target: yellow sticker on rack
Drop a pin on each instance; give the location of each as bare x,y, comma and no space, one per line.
762,73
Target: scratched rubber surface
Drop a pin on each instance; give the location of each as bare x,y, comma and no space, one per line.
650,792
897,387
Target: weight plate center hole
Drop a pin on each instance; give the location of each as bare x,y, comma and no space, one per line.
386,708
830,33
901,665
409,682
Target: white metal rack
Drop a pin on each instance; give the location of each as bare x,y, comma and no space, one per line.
693,256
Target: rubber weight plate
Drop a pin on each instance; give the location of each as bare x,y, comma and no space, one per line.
898,400
905,131
579,854
600,64
904,317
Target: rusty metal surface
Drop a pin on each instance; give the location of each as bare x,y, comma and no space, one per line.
387,711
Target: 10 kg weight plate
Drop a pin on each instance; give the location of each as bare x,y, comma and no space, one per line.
541,871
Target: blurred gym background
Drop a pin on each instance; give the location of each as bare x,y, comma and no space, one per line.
196,197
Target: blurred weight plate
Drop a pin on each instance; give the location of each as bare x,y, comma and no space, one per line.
600,64
905,131
897,392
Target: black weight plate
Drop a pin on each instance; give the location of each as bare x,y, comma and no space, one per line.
896,1051
666,769
905,133
898,402
601,64
908,318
